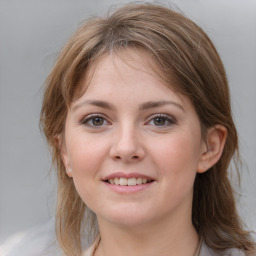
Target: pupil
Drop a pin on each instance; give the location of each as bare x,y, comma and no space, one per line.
97,121
159,121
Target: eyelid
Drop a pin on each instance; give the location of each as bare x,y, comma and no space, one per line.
167,117
86,118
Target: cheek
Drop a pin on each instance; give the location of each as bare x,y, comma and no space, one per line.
86,161
85,157
177,157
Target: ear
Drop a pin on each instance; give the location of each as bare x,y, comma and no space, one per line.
215,142
63,153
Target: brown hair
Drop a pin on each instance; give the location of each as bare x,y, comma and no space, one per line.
183,53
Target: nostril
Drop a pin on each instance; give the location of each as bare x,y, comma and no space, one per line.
125,153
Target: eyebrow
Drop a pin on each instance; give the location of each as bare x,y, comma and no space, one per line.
97,103
143,106
155,104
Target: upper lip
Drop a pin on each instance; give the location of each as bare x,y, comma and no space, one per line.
127,176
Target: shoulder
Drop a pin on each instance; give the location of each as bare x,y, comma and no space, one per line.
37,241
90,251
206,251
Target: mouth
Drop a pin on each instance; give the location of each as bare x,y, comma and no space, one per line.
133,181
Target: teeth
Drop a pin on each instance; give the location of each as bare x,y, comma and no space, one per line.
139,181
132,182
128,182
116,181
123,182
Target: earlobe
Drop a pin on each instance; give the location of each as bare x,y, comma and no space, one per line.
66,162
215,142
64,155
69,172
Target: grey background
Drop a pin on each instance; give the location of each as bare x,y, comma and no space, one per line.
31,34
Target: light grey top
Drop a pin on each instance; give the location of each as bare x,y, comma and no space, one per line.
203,250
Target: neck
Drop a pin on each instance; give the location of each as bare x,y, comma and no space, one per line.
163,238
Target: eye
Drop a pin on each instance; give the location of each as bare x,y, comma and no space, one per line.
95,121
161,120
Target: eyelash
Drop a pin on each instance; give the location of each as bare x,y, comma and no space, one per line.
91,118
170,120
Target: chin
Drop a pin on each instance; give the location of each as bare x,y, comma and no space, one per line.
127,217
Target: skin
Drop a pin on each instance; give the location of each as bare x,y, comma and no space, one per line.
111,129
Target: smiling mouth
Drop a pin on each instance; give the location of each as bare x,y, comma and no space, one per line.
129,181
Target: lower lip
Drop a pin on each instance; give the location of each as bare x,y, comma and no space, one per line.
128,189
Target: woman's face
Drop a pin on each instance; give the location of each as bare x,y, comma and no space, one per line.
134,145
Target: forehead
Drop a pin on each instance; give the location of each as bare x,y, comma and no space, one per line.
129,59
129,73
125,63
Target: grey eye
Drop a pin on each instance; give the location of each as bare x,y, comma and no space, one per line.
94,121
159,121
97,121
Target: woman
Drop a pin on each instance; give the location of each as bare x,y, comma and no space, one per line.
137,113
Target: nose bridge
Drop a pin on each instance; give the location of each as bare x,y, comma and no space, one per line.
127,145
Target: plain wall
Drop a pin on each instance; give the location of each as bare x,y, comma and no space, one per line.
32,33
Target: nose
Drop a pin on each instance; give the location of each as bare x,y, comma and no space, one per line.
127,145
